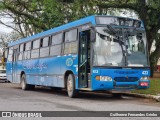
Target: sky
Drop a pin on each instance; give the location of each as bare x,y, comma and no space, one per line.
3,28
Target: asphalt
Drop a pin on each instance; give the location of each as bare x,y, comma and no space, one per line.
147,96
154,97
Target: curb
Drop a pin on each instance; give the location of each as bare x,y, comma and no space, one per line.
154,97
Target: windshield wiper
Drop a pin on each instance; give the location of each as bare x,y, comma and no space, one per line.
111,30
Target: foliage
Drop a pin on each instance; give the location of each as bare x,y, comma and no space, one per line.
153,90
32,16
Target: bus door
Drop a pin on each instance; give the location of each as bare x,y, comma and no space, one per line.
84,59
14,65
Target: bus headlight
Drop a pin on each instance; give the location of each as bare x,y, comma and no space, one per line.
144,78
105,78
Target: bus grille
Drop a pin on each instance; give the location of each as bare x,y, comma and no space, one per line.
126,87
125,72
126,79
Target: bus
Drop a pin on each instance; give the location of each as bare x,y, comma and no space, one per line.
95,53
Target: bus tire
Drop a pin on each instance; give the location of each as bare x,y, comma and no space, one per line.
72,92
24,84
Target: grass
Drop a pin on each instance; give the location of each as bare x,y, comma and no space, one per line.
153,90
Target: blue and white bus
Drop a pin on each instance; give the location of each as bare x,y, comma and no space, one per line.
96,53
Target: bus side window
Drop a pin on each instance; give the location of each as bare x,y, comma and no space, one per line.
21,47
41,43
27,52
10,54
56,44
10,57
45,42
36,44
35,49
71,42
20,55
31,45
11,50
24,47
49,41
28,46
44,48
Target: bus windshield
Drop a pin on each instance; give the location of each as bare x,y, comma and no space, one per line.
123,47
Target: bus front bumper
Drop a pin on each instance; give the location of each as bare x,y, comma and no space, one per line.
112,85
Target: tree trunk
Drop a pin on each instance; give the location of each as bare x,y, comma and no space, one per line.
154,59
152,64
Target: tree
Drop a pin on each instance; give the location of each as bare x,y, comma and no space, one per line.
32,16
5,38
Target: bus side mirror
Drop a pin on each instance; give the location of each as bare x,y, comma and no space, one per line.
93,35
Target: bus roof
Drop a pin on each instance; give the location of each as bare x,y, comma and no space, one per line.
85,20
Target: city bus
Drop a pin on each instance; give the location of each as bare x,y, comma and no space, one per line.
95,53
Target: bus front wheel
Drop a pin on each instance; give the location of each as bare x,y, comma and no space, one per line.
72,92
24,84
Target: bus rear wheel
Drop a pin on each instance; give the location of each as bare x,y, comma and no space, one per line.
24,84
72,92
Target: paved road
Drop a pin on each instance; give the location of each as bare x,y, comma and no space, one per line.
12,98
